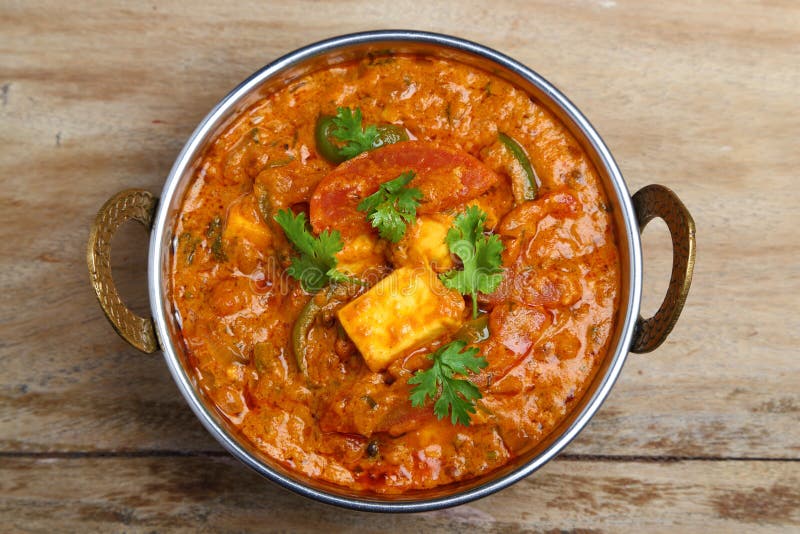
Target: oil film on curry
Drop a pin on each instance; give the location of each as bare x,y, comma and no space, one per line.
396,273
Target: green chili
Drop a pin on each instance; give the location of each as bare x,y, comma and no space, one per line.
302,326
329,146
389,134
322,302
324,138
475,330
529,188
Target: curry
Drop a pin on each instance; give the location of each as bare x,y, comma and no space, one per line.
395,274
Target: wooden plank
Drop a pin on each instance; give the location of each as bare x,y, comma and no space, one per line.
221,495
701,98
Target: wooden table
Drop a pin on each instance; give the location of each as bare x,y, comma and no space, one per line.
702,435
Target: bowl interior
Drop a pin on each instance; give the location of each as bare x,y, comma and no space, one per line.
344,49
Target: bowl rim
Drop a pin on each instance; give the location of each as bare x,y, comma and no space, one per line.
207,126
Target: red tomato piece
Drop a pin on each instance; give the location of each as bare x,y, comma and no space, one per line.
447,178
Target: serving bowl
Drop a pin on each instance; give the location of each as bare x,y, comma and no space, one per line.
632,333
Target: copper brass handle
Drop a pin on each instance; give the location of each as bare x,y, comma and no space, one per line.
138,205
658,201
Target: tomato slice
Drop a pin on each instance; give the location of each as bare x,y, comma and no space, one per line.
447,178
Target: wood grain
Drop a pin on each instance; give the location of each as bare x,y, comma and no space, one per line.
218,494
701,97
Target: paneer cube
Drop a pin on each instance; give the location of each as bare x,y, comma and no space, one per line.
407,309
489,207
424,244
361,254
244,222
247,239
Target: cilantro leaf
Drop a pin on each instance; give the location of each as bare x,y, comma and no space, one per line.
344,136
427,386
214,233
456,395
315,267
479,255
350,131
392,206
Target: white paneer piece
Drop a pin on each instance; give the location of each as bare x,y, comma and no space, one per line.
244,223
407,309
360,254
424,244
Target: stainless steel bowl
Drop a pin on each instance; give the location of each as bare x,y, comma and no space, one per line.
631,333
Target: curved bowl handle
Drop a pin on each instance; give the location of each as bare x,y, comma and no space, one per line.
658,201
138,205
